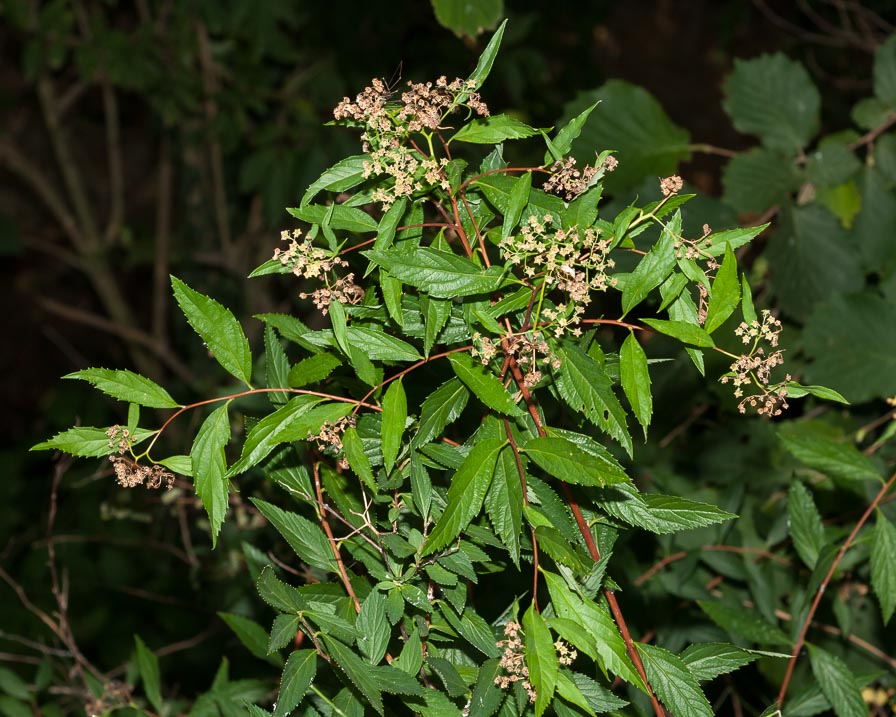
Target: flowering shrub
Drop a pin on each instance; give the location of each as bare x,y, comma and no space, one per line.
456,446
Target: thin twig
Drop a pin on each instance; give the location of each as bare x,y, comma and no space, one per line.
325,524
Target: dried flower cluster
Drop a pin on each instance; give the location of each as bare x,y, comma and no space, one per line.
566,655
115,694
527,349
387,125
754,368
513,661
483,348
130,474
343,290
329,437
119,438
567,180
671,185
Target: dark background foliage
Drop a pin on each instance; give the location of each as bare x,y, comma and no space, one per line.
152,137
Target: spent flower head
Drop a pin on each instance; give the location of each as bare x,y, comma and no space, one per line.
754,369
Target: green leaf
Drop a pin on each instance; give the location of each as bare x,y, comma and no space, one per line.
599,698
283,631
357,458
148,666
487,696
437,312
85,441
585,387
395,414
758,179
440,408
343,175
421,486
812,443
653,269
568,134
485,62
797,390
341,217
541,659
876,222
661,513
385,231
373,628
883,565
276,365
492,130
312,369
447,672
566,461
253,636
852,343
554,544
519,198
813,260
885,72
14,686
635,379
504,503
411,658
473,628
466,493
743,623
708,660
356,670
126,386
773,98
278,594
304,537
719,242
630,121
673,684
466,18
806,528
837,683
484,385
832,163
298,674
337,321
218,328
209,465
683,331
438,273
725,293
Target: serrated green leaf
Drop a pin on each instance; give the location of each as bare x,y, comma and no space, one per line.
253,636
725,293
278,594
439,409
312,369
504,503
337,216
562,143
743,623
806,527
218,328
421,486
87,441
283,631
447,672
438,273
411,658
466,493
541,659
465,18
568,462
487,696
876,221
395,414
436,313
837,683
884,73
660,513
385,231
814,444
304,537
483,64
797,390
673,684
717,243
340,329
883,565
148,666
635,379
484,385
373,629
473,628
758,179
126,386
599,698
356,670
492,130
774,98
298,674
552,542
357,458
343,175
209,465
519,198
683,331
653,269
708,660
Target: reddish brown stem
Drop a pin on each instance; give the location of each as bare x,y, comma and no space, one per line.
325,524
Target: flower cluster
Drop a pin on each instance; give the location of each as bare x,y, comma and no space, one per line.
483,348
566,655
119,438
527,348
513,661
755,368
387,125
671,185
567,180
130,474
329,437
343,290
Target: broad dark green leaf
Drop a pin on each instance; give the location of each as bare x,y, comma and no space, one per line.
541,659
504,503
708,660
660,513
343,175
283,631
831,163
566,461
484,384
718,242
148,666
883,565
743,623
312,369
436,313
448,674
357,458
304,537
466,18
487,696
373,628
837,683
411,658
385,231
439,409
492,130
253,636
814,444
519,198
774,98
466,493
806,527
209,465
278,594
876,222
685,332
758,179
885,72
635,379
356,670
438,273
395,414
276,365
473,628
673,684
298,674
552,542
218,328
725,293
562,143
584,385
600,698
342,217
126,386
653,269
